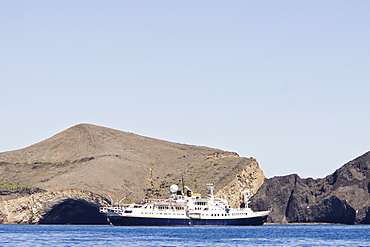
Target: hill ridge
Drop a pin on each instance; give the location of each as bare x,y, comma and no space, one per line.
112,162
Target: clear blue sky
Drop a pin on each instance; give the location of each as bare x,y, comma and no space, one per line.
287,82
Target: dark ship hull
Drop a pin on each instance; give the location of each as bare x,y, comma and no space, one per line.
146,221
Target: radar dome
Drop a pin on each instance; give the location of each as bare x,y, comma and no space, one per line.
174,188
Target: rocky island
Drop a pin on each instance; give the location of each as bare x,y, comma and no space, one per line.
72,173
66,178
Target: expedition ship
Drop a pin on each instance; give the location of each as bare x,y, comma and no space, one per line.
184,210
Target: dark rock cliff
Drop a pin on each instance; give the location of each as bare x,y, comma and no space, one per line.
342,197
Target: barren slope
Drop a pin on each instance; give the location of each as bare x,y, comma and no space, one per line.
113,163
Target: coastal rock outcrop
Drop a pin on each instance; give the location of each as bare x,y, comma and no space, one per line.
54,207
251,178
342,197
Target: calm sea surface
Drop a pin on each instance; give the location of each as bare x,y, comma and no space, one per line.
268,235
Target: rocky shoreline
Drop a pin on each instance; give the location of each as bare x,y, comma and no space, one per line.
54,207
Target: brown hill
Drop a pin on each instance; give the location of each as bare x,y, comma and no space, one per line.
113,163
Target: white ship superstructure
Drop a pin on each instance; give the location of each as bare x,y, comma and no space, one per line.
180,209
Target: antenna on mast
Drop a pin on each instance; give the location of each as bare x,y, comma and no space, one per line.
111,200
211,188
125,197
183,185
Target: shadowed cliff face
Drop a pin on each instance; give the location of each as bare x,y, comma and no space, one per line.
342,197
74,212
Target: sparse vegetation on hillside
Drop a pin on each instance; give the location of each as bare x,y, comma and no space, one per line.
12,186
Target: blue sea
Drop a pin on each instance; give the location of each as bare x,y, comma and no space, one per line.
267,235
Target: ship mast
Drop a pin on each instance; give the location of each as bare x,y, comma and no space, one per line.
247,193
211,187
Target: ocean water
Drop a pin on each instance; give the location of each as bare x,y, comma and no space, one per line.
267,235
